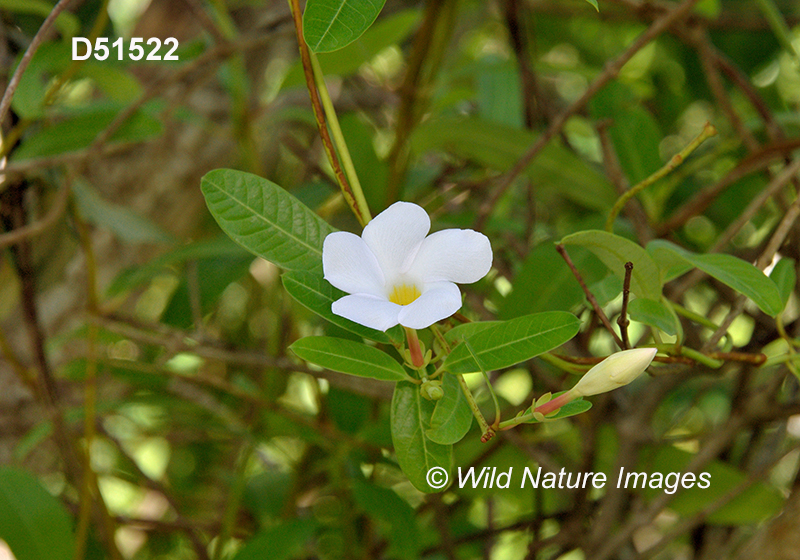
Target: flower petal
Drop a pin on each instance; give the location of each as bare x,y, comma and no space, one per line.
440,300
367,310
349,265
453,255
395,235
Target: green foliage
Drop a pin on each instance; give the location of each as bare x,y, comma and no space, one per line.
615,251
452,417
182,349
410,421
265,219
329,25
349,357
33,523
317,294
731,271
512,342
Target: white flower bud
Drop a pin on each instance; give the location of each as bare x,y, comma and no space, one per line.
615,371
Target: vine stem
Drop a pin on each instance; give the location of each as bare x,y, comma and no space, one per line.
707,132
318,92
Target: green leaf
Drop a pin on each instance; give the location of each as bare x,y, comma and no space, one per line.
634,131
213,276
416,454
388,31
385,505
316,294
459,333
67,23
755,504
220,247
556,171
79,130
514,341
329,25
265,219
615,251
452,416
656,314
33,523
545,282
731,271
280,542
127,225
349,357
594,3
785,277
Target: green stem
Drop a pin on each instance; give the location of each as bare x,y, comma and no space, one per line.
338,141
486,431
545,409
707,132
496,422
699,319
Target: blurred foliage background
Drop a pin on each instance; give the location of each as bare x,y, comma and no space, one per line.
149,407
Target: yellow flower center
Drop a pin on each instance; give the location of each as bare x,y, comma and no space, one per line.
404,294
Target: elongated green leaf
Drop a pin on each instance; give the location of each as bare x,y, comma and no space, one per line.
452,416
79,130
32,522
514,341
385,505
265,219
280,542
733,272
594,3
615,251
127,225
655,314
459,333
416,454
315,293
329,25
785,278
757,503
634,131
350,357
130,278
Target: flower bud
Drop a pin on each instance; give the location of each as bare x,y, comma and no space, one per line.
431,390
615,371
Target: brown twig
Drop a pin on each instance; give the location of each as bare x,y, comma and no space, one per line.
24,233
589,295
623,321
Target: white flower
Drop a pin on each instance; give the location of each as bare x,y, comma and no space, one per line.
615,371
395,274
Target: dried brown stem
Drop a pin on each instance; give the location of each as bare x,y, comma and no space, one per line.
623,321
589,295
